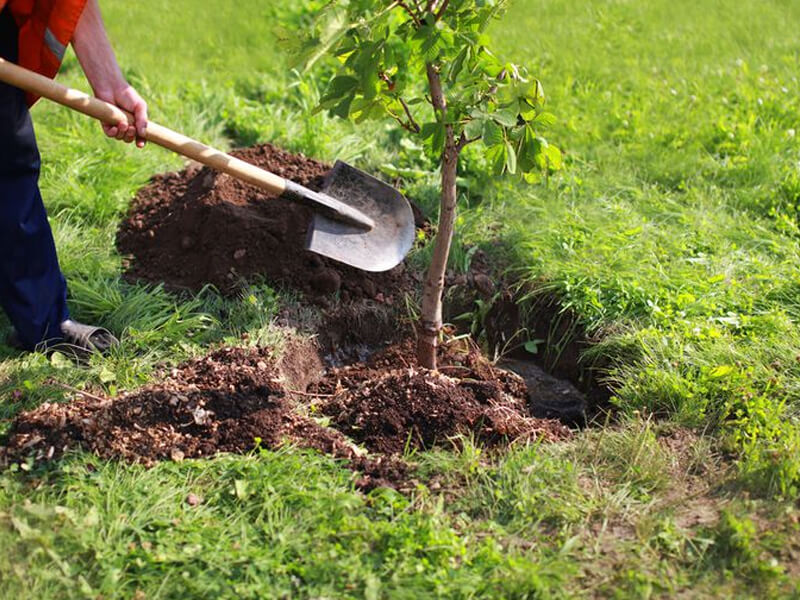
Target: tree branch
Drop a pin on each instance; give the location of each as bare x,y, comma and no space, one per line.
69,388
465,141
441,10
412,126
435,84
411,120
414,15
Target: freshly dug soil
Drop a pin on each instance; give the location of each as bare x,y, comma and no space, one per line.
198,227
391,405
236,399
229,401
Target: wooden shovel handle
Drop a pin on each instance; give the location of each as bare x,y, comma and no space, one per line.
155,133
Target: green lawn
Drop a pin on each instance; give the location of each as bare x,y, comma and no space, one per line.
672,234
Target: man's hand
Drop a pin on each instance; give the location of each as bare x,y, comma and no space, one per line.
127,99
100,65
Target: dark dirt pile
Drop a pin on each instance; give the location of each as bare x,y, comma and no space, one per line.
223,402
199,227
236,399
389,404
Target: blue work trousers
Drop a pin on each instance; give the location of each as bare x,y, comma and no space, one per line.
33,292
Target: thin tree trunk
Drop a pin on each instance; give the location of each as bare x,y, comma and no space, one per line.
431,318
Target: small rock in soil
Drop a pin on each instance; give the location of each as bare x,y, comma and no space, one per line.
550,397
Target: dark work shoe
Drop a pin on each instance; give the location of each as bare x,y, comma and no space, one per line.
78,340
88,337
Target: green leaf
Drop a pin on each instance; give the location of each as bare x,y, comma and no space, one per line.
507,93
489,64
437,143
371,84
532,178
545,119
342,109
434,39
511,158
535,93
526,111
458,64
505,117
496,155
107,375
406,173
59,361
367,111
553,156
339,86
721,371
492,134
434,134
240,489
474,128
532,346
531,155
428,130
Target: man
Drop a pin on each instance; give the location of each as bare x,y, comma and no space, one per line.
34,34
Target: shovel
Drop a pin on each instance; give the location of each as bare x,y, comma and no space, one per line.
357,219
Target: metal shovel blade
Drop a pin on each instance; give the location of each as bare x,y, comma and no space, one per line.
377,249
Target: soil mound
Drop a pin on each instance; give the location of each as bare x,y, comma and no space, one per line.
238,399
229,401
389,404
198,227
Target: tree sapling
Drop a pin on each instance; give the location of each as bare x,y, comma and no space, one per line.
427,65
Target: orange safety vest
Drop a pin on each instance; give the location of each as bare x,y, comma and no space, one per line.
45,30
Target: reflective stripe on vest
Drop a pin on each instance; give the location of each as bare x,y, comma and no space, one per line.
55,46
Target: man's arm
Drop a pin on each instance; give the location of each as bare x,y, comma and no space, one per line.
96,56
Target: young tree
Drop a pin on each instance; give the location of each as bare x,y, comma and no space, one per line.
427,65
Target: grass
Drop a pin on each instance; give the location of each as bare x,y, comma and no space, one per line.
672,234
675,230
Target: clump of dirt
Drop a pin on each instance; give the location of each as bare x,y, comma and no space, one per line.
198,227
389,404
232,400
